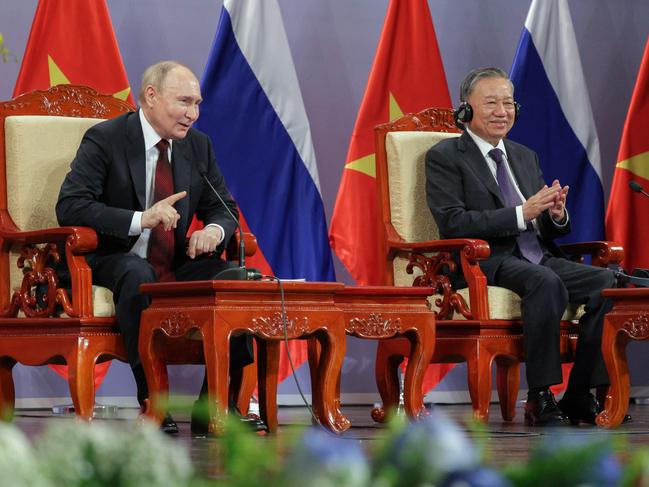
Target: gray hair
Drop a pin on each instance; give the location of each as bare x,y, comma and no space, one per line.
156,74
468,84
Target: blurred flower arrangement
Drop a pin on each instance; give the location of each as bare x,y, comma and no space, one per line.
431,452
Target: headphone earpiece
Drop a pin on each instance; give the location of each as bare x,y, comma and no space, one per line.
464,114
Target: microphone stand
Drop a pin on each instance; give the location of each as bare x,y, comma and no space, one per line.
240,273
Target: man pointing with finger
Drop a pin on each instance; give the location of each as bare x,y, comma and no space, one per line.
137,180
482,185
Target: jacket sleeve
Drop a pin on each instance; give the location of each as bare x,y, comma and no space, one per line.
80,197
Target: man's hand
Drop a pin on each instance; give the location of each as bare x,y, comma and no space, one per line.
204,241
558,210
545,199
163,213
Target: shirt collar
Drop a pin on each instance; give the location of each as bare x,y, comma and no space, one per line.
151,137
485,146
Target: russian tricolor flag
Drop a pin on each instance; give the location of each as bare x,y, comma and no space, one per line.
556,118
254,114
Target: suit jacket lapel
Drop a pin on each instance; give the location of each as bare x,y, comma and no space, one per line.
479,165
136,157
182,170
522,178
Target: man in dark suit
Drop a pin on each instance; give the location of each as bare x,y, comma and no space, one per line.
138,180
484,186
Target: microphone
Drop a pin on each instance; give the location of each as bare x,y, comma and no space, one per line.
240,273
637,187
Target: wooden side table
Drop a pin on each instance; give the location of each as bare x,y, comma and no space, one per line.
386,312
215,310
628,320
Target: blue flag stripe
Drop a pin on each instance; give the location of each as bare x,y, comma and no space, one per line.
262,167
544,128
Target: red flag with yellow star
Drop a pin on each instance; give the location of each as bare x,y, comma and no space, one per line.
627,211
72,41
407,76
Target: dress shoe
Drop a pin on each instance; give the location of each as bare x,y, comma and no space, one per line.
541,409
580,407
168,425
200,419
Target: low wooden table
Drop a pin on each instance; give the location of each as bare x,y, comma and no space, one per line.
628,320
386,312
215,310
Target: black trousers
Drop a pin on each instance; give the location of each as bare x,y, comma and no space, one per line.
123,273
545,290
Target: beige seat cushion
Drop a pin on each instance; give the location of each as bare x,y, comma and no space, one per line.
39,150
412,219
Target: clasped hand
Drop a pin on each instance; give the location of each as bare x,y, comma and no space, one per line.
163,213
552,198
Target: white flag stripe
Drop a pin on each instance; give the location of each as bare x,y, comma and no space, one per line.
550,25
260,34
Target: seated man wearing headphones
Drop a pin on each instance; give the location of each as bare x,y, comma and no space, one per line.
484,186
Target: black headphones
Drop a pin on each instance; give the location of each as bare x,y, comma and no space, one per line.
464,113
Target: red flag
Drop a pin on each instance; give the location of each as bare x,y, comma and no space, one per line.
407,76
72,41
627,210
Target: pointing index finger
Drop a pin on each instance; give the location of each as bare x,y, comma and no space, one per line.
175,197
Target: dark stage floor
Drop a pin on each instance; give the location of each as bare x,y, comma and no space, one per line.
504,442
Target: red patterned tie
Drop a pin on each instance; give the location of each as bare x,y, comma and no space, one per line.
161,242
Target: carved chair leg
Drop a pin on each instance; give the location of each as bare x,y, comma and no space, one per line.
81,378
216,350
386,370
616,403
479,378
507,382
7,391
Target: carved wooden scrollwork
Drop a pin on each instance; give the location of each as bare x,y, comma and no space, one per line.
431,268
37,273
374,326
638,326
177,324
273,326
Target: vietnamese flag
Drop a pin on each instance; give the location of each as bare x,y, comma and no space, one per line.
627,210
407,76
72,41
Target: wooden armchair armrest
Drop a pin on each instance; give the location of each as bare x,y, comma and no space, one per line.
603,253
78,241
471,251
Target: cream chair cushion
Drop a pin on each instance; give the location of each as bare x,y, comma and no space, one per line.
412,219
39,150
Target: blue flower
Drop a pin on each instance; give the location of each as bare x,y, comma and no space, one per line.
323,460
476,477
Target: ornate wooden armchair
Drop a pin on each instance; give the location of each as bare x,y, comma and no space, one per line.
39,136
479,324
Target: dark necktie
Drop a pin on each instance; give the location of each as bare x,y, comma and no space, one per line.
528,243
161,242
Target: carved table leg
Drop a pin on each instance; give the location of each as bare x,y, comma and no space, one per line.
155,371
268,352
421,352
386,371
333,354
614,343
7,391
216,350
314,352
